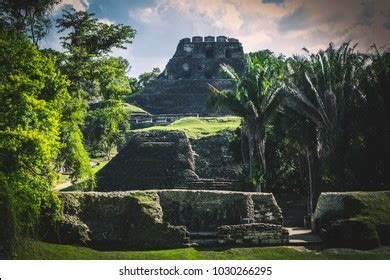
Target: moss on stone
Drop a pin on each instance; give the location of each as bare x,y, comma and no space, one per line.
358,219
377,207
116,220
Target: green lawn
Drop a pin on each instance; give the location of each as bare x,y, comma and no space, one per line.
40,250
197,128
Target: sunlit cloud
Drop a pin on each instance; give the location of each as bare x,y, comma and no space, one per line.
79,5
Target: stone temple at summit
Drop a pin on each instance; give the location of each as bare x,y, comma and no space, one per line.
183,87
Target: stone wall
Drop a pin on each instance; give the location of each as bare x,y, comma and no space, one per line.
206,210
214,159
252,234
117,220
171,96
201,59
155,219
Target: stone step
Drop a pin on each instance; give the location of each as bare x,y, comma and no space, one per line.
203,235
204,242
300,236
204,238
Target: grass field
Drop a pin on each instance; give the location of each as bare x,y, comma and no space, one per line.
197,128
40,250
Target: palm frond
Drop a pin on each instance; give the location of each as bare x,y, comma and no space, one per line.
229,71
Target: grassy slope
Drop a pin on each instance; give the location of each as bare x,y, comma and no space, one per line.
200,127
39,250
130,108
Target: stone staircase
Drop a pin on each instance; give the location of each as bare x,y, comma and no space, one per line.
298,237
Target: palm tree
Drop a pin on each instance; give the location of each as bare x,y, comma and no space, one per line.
301,128
258,94
332,76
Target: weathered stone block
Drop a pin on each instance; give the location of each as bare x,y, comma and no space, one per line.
186,40
221,39
197,39
209,39
252,234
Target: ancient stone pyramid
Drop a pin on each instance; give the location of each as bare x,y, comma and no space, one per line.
168,159
182,88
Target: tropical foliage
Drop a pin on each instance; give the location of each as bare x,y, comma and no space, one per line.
305,124
259,94
33,94
45,97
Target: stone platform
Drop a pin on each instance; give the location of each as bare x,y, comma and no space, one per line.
159,218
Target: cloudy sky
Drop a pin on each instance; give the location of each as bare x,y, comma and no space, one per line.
283,26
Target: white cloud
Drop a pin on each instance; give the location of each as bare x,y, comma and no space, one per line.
146,15
79,5
106,21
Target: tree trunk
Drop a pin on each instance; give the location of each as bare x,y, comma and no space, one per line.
251,156
243,154
260,139
310,180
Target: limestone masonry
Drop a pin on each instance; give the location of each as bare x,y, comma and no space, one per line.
161,218
169,160
182,88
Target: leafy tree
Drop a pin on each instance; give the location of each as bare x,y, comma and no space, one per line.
33,95
111,78
147,77
73,158
92,76
86,41
258,95
134,85
90,37
28,16
106,127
